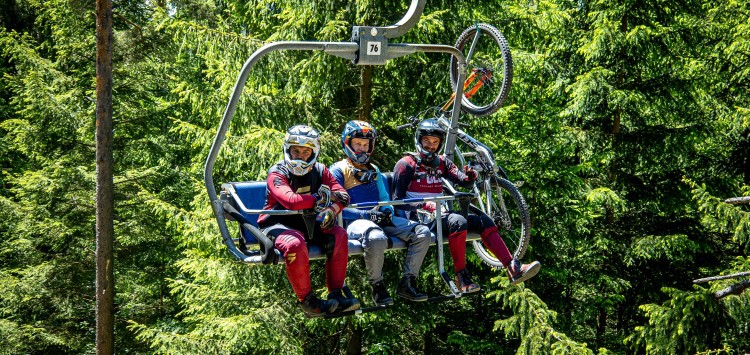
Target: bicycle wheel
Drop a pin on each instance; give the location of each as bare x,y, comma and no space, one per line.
502,201
492,54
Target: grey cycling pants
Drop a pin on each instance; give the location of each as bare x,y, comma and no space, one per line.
374,242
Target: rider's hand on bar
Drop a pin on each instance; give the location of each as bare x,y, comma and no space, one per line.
429,206
326,218
471,174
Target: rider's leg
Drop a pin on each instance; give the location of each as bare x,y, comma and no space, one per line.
374,243
337,255
487,229
291,244
517,272
418,237
456,226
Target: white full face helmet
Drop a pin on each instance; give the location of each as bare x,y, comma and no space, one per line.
302,136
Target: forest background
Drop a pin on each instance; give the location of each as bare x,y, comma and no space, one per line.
628,121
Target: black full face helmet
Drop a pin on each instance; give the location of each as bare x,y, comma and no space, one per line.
429,127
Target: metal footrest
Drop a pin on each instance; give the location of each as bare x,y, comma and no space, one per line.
440,298
356,312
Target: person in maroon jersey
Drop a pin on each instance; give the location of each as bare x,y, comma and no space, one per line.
299,182
419,176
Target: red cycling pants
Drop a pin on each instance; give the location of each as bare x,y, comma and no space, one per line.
291,243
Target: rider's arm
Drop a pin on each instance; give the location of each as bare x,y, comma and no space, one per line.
455,175
351,213
278,186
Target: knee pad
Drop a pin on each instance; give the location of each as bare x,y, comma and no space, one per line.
456,223
422,231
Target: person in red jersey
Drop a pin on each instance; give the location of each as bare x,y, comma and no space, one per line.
419,176
299,182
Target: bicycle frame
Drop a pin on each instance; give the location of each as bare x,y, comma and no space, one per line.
485,160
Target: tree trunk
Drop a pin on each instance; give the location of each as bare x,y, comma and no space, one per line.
105,285
365,93
601,326
746,148
354,346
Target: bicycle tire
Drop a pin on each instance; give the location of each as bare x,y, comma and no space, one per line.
495,54
514,226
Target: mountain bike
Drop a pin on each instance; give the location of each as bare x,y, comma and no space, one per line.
495,195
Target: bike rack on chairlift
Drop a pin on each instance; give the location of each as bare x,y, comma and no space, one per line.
369,46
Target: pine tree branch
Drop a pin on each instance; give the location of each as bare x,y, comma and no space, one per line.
735,289
738,200
722,277
126,20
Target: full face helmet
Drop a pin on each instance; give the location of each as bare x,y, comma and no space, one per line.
302,136
358,129
429,127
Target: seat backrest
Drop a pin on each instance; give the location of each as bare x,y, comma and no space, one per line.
253,196
389,182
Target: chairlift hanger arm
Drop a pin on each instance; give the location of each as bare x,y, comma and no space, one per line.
339,49
409,20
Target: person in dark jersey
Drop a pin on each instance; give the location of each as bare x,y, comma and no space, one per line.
419,175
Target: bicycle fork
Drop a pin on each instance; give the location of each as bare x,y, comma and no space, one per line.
468,93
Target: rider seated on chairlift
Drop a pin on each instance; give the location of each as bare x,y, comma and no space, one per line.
299,182
419,176
364,183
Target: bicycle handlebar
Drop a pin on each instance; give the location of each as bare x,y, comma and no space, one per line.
413,120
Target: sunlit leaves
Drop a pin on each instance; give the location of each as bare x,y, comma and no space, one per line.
533,322
686,323
675,248
722,216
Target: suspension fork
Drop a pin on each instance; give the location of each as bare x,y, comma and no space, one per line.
485,77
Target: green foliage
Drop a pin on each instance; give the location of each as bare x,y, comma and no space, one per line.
533,322
695,321
627,121
687,323
723,217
